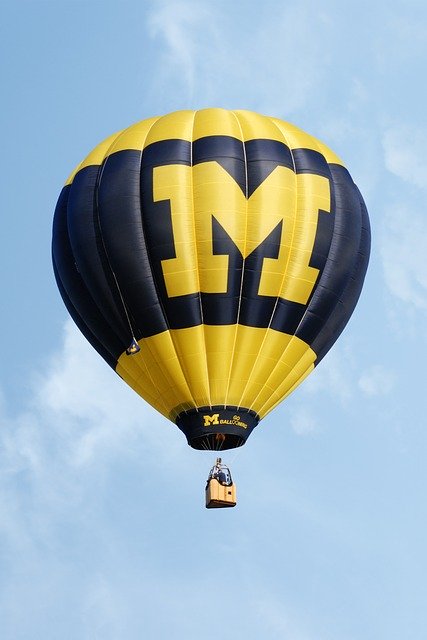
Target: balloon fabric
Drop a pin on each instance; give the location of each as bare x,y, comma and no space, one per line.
212,258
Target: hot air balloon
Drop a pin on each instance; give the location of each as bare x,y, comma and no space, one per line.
212,258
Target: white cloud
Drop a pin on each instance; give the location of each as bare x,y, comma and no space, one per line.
288,59
334,375
81,421
403,252
223,58
377,381
357,145
181,25
302,421
82,437
333,381
404,153
88,406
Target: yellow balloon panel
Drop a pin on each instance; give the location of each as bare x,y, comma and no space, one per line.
216,122
209,366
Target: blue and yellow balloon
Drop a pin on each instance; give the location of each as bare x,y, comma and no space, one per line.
212,258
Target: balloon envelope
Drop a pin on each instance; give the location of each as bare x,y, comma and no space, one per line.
212,258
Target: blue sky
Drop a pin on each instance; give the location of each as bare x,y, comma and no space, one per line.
103,530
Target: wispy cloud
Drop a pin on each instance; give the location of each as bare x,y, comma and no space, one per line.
377,381
208,60
302,421
404,153
80,420
333,381
287,73
88,406
335,374
403,253
188,30
81,432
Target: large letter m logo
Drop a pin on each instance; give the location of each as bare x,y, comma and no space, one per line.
198,194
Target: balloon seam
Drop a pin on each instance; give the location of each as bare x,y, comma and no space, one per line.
243,263
197,261
268,328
